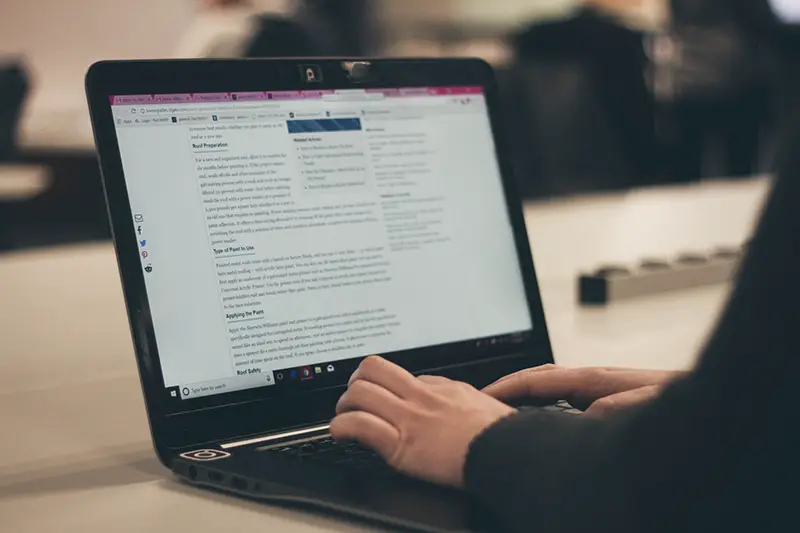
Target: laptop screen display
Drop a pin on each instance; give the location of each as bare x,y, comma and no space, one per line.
281,232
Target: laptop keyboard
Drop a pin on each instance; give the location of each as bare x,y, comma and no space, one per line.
326,450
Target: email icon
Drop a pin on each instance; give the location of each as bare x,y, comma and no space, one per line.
138,217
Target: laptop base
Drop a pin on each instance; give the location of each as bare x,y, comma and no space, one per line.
394,501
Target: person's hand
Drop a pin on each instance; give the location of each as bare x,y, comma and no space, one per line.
614,4
597,390
421,426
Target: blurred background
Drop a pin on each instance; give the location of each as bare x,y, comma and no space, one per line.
601,95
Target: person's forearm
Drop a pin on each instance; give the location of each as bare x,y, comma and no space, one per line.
715,452
674,464
538,471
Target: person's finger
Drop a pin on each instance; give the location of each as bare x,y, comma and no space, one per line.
540,368
366,396
624,400
553,383
368,430
550,366
388,375
433,380
579,386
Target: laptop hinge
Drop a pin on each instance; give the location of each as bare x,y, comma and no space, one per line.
275,436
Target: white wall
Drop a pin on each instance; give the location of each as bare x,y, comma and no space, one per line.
514,11
490,11
61,38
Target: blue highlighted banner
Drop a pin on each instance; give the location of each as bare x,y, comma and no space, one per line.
324,124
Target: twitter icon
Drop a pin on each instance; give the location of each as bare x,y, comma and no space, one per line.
143,243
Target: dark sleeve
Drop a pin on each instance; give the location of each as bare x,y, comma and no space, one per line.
716,452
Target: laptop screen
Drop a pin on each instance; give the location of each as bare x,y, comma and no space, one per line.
282,232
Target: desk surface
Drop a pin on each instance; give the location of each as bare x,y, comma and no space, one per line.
79,456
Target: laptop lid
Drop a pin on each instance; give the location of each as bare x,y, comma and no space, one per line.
277,221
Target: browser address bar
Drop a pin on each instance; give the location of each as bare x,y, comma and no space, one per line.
359,97
183,109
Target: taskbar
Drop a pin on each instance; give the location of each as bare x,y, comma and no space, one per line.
309,376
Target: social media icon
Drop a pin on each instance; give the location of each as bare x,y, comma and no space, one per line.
206,455
330,368
139,230
144,254
318,370
143,243
148,268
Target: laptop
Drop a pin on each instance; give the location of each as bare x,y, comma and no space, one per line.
276,221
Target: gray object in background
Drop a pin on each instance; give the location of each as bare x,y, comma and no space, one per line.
614,283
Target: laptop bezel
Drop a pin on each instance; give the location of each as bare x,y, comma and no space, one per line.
173,431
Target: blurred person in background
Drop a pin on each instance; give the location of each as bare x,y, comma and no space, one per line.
717,83
580,103
344,27
223,28
279,28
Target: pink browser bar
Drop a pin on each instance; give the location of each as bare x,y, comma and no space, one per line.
438,91
315,95
132,99
253,96
249,96
172,98
211,97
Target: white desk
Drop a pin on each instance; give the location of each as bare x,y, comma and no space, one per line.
76,455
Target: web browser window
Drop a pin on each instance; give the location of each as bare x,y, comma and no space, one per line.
283,229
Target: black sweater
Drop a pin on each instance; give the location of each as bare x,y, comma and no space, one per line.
717,452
